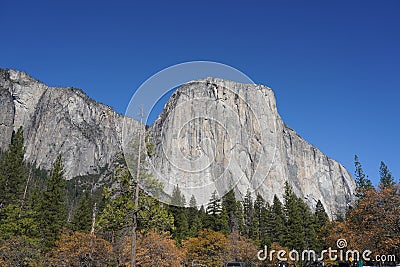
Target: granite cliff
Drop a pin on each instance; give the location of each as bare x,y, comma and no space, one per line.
59,120
215,134
212,135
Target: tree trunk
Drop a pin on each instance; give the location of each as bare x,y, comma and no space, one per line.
136,208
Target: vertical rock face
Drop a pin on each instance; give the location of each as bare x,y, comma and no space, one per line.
212,135
7,112
215,134
60,120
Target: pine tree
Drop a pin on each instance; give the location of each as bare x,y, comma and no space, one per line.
213,211
180,214
18,222
255,231
278,222
386,177
15,218
258,221
223,222
266,225
203,217
13,171
118,205
177,198
320,214
362,181
115,219
240,217
195,225
153,215
194,219
321,219
295,232
229,204
193,202
307,220
51,208
248,212
192,210
82,218
214,207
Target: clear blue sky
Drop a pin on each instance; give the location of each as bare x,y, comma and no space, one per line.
334,65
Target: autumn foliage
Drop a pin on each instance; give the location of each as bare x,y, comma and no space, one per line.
19,251
214,248
373,225
154,249
240,248
77,249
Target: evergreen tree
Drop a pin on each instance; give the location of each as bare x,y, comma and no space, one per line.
266,225
240,217
153,215
258,221
321,219
229,204
51,208
214,207
320,214
115,219
192,211
18,222
15,218
308,221
386,177
295,232
177,198
278,222
82,218
194,219
13,171
203,217
213,211
196,225
248,212
362,181
223,222
118,205
193,202
217,218
255,231
180,214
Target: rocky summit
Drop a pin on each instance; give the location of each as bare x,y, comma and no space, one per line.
215,134
59,120
212,135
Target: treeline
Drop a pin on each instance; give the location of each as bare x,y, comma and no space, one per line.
39,227
32,206
374,222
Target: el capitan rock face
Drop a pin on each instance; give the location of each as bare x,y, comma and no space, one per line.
212,134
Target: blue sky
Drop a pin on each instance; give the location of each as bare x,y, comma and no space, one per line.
334,65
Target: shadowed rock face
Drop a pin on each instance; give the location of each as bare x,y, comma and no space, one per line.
59,120
7,112
214,134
